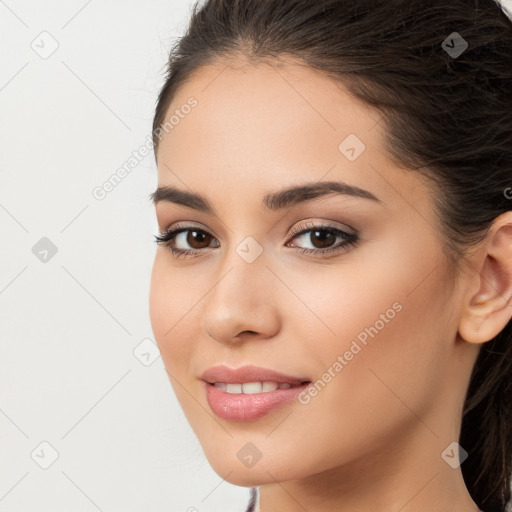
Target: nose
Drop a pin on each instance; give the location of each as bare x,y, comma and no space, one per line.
242,303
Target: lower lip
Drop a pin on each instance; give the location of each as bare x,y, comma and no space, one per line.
242,407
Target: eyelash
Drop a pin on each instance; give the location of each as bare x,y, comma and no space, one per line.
350,240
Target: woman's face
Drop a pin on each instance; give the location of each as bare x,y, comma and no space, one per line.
370,317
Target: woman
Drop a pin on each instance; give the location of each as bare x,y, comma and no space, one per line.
331,290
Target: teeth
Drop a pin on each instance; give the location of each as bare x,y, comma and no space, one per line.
249,388
234,388
269,386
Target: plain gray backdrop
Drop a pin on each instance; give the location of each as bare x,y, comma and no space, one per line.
88,419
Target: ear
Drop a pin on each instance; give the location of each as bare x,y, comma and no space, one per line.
487,304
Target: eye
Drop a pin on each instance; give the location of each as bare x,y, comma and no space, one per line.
197,239
322,239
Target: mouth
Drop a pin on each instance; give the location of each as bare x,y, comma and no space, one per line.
247,401
251,377
249,392
257,387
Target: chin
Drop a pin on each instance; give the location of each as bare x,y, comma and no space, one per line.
230,465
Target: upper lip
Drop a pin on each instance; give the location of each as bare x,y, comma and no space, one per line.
248,373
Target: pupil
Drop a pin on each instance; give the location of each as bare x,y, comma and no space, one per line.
324,236
195,237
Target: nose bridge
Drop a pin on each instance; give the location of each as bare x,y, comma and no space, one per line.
239,299
243,270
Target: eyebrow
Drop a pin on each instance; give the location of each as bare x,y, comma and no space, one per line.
275,201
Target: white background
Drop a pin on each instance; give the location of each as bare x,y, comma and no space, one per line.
69,326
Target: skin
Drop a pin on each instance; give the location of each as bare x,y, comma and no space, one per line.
372,438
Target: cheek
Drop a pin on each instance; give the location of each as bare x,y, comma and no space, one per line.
171,309
388,323
388,352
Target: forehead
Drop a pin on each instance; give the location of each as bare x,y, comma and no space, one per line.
257,109
260,127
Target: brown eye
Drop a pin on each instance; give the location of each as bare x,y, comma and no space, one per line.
198,239
323,237
323,240
194,240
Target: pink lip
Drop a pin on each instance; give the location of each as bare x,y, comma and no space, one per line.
244,407
247,373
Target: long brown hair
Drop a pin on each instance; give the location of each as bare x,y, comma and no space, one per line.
446,115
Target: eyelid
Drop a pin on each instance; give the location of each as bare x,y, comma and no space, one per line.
321,224
185,225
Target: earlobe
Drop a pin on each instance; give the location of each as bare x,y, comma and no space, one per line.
488,310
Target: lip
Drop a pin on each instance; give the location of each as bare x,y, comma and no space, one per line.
243,408
248,373
247,407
